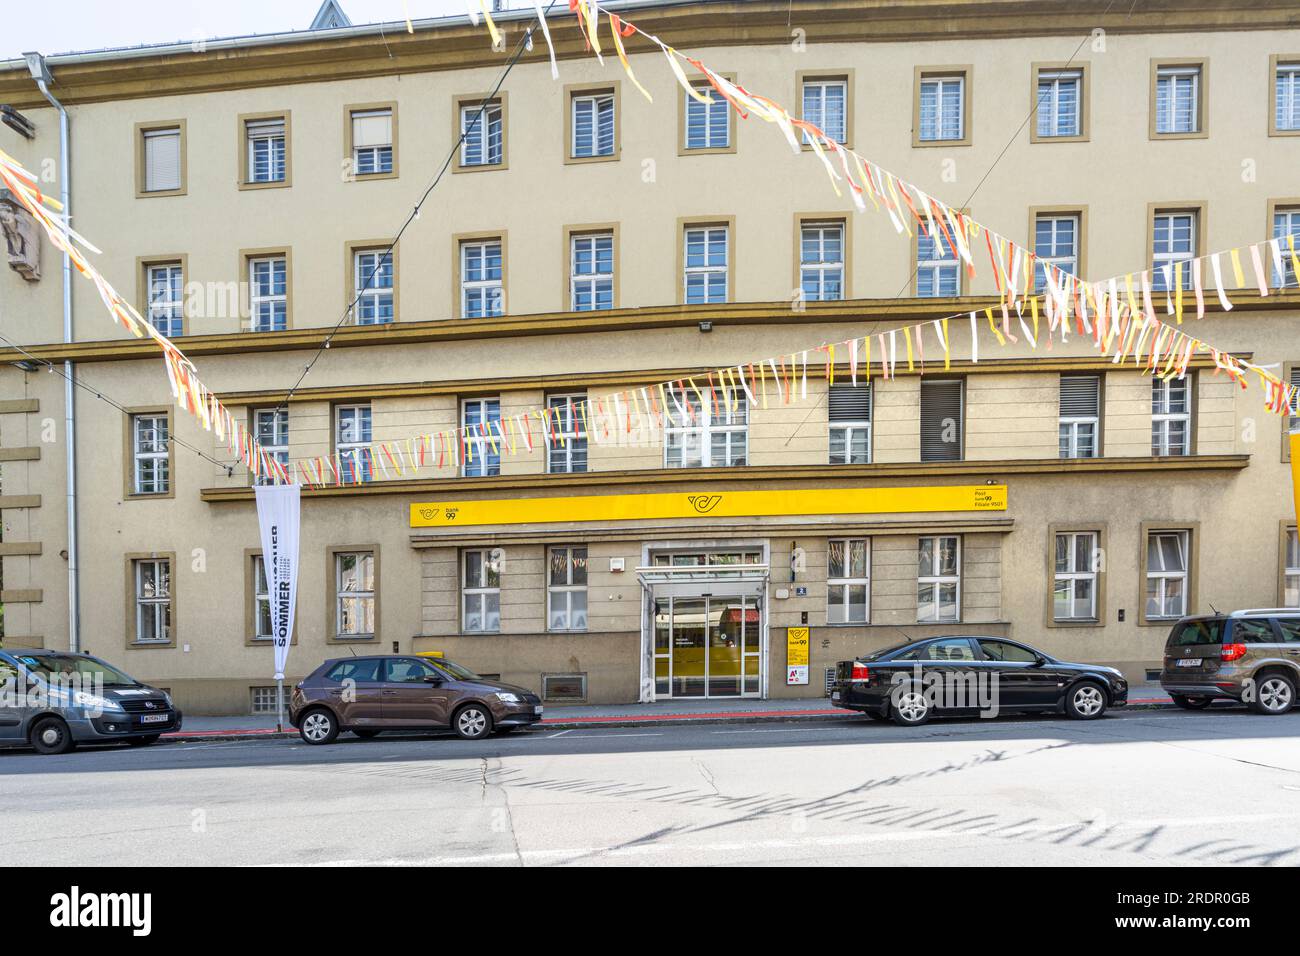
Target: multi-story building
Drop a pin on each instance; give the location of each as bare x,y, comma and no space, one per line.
585,241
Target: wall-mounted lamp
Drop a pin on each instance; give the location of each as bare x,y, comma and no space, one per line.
706,326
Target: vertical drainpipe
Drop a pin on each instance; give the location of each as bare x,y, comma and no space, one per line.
41,74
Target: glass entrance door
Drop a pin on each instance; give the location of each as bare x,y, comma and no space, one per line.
707,646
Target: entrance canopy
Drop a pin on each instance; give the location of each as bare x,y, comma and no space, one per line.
743,580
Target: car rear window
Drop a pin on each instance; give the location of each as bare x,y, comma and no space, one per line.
1186,633
358,670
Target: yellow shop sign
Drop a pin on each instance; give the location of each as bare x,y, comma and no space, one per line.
719,504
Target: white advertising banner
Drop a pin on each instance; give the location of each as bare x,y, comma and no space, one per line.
279,510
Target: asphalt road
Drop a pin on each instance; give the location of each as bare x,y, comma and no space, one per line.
1144,787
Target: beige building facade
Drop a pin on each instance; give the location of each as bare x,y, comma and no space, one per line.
584,242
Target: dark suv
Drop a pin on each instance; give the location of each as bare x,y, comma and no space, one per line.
367,695
1252,656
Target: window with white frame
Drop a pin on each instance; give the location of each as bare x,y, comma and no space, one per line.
352,436
162,160
943,108
942,413
1080,416
848,581
1075,576
1286,97
268,293
708,125
481,419
1060,95
938,273
1056,242
591,275
566,589
483,127
482,287
373,275
1167,574
706,263
825,105
266,150
1178,99
706,428
567,453
261,600
1291,570
821,261
849,413
354,594
1293,419
153,600
167,298
480,591
1286,222
1173,240
151,454
372,141
271,426
1171,417
938,579
593,125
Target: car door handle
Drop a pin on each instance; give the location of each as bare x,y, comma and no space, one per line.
390,693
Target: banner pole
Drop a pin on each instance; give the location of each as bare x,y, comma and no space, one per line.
279,705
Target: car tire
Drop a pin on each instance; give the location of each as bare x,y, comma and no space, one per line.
318,726
50,735
1274,694
1085,701
144,741
472,722
910,708
1190,703
365,734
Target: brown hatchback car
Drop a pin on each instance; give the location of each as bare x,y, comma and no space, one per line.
368,695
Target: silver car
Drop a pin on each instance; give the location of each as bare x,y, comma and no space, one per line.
54,700
1252,656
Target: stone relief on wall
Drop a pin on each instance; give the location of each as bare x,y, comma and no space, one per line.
22,238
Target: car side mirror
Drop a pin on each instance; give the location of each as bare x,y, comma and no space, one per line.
1039,661
433,679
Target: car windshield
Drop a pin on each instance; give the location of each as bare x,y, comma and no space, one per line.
454,670
65,667
1189,633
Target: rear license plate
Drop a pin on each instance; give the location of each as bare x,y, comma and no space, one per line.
835,695
155,718
538,709
1189,662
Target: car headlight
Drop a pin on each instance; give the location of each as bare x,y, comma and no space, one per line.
508,698
94,702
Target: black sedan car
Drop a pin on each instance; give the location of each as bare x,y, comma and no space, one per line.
973,675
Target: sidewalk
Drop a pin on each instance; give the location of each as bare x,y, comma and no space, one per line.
746,711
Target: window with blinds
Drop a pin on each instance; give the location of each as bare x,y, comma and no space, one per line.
941,420
849,412
266,150
372,141
1080,409
162,160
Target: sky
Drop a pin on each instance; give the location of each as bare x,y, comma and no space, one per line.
63,26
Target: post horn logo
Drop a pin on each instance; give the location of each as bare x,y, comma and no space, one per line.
703,504
428,513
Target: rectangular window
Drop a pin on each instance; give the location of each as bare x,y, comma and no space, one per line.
266,150
821,261
567,453
706,264
483,129
167,298
591,276
941,420
372,142
265,699
1286,222
825,105
938,579
162,160
1060,95
261,601
354,590
1056,242
1080,416
1173,240
1075,578
938,273
566,590
1291,570
1178,99
849,413
153,601
480,591
1167,571
1293,420
482,286
708,125
373,275
848,581
151,454
593,125
271,426
1286,97
942,108
481,419
1171,417
706,429
268,293
352,436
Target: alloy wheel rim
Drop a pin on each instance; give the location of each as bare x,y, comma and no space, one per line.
912,706
472,722
1275,694
316,727
1087,701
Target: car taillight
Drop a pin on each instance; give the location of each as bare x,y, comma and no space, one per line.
1232,652
860,671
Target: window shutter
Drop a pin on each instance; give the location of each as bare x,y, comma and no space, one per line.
941,418
266,127
1080,396
850,403
372,129
162,160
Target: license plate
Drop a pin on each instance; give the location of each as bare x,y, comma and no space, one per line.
155,718
835,695
538,709
1189,662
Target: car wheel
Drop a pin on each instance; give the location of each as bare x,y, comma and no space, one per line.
50,735
144,741
319,726
472,722
1190,703
365,734
1274,694
910,708
1085,701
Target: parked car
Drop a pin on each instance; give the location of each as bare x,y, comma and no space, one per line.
368,695
1251,655
956,675
54,700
